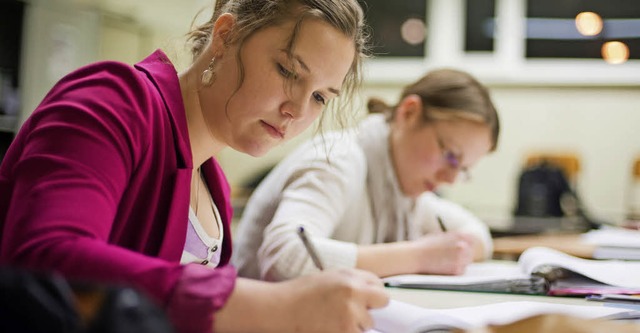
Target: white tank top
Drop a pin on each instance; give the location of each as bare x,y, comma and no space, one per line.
199,246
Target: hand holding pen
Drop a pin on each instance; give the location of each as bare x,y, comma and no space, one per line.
324,297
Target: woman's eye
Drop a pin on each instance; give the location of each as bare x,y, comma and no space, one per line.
452,159
319,98
285,72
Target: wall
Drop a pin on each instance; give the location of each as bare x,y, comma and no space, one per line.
57,39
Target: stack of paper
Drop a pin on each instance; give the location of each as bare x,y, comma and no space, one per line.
614,243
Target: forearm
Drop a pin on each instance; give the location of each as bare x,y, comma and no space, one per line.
389,258
254,306
439,253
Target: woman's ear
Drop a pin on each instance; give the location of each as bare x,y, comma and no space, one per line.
221,33
409,111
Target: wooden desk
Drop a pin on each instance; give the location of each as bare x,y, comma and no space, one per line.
511,247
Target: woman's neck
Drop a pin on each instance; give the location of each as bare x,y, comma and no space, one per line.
204,144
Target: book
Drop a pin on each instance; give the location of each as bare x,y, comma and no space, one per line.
400,317
539,270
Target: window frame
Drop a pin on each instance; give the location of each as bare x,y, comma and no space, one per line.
506,65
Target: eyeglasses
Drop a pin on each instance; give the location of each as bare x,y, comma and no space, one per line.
453,161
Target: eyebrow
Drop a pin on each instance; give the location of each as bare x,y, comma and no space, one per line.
306,69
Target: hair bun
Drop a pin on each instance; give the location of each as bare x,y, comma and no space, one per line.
376,105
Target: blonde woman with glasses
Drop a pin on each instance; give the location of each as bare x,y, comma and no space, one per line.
366,197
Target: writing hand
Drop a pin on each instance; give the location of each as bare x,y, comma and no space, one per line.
445,253
335,301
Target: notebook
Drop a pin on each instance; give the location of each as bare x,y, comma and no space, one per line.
539,270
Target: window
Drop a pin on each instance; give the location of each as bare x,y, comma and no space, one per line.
398,27
510,41
479,25
581,29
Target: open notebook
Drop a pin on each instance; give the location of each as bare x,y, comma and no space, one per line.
400,317
539,270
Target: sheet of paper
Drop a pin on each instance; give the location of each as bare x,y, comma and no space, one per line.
475,273
614,237
400,317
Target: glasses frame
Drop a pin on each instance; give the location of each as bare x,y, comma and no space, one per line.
452,160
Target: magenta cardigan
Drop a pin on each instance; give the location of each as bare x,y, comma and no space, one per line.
96,187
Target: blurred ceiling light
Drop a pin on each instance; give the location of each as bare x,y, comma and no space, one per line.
615,52
589,23
413,31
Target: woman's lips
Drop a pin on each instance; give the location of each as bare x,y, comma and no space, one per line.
273,131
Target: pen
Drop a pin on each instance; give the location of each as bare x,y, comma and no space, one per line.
441,223
310,249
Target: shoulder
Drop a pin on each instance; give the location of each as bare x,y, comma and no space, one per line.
117,98
339,151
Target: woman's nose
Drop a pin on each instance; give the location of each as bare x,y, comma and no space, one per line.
295,106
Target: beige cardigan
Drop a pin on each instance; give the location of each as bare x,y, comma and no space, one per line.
326,185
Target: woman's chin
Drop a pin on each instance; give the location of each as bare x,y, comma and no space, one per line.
255,150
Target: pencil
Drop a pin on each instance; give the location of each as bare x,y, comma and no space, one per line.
441,223
310,248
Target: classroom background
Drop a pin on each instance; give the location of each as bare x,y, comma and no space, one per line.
561,84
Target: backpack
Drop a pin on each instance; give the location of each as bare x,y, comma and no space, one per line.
545,192
541,190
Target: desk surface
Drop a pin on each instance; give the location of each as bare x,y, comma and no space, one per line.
512,246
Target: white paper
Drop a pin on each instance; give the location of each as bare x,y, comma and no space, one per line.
400,317
614,237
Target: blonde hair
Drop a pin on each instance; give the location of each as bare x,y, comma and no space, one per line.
254,15
448,94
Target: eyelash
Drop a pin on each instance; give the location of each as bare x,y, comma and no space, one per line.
319,98
285,72
291,75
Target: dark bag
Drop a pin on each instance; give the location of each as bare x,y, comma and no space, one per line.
545,192
541,189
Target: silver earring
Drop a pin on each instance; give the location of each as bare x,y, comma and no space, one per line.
208,75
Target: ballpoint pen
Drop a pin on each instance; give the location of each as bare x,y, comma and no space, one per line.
310,248
441,223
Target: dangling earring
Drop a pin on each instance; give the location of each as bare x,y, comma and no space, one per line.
208,76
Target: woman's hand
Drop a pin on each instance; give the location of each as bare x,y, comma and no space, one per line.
446,253
335,301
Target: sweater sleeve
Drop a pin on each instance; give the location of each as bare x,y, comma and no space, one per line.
318,190
429,206
71,163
